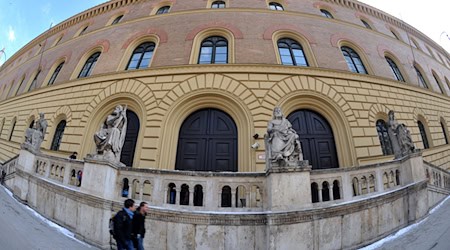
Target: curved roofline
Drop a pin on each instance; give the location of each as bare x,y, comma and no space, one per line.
114,4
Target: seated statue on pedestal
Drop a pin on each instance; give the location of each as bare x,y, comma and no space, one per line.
111,136
282,142
35,136
400,137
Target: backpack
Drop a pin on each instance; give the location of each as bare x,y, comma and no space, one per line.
112,222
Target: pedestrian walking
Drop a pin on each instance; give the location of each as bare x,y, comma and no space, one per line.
139,225
123,226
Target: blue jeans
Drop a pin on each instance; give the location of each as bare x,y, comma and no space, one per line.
140,242
128,245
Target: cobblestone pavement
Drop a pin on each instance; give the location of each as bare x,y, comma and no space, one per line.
431,233
21,229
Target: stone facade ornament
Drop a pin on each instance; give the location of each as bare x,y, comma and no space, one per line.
111,136
400,137
282,142
35,136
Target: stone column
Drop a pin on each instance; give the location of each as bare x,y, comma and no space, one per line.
288,187
233,198
319,188
177,195
191,196
330,190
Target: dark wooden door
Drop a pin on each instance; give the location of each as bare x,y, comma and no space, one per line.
207,142
129,146
316,138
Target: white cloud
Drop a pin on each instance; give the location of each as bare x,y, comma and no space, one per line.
11,34
46,8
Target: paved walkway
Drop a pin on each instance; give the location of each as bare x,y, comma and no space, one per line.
431,233
21,229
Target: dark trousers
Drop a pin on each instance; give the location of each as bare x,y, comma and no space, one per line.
128,245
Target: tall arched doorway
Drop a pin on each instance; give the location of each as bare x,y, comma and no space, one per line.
129,146
316,138
207,142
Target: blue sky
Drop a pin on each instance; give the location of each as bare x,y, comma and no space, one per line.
22,20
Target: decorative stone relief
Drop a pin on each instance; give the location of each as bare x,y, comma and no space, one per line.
282,142
111,136
35,136
400,137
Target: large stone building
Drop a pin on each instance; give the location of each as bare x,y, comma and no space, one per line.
200,79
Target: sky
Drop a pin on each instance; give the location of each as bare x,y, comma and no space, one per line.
431,17
23,20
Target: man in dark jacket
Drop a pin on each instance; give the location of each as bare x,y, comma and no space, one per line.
123,226
139,225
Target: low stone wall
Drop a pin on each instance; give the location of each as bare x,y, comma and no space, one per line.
354,221
345,225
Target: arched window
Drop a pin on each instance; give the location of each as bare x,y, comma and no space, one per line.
291,52
31,125
171,193
226,196
125,186
421,79
147,190
34,82
353,60
89,65
366,24
395,70
218,5
163,10
395,35
213,49
438,82
336,190
383,136
314,192
117,20
325,191
13,125
83,31
444,131
58,135
141,56
136,190
385,181
198,195
184,195
55,74
275,6
326,14
423,135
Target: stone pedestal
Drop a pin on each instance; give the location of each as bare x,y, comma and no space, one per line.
412,169
25,163
288,187
100,178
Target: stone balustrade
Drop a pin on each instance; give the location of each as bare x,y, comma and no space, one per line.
65,171
194,190
346,184
437,176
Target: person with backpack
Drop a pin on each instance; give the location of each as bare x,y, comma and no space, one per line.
139,225
123,226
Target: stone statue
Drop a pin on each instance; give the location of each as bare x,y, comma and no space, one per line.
400,137
282,142
111,136
35,136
